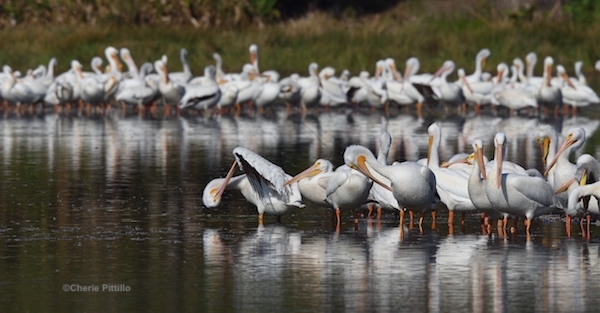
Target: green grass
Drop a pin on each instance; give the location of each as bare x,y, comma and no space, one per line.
409,30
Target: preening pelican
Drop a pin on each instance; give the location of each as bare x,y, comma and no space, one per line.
312,182
575,95
449,92
413,185
517,195
262,185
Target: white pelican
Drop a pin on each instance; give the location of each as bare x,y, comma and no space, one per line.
332,94
290,89
383,197
480,61
517,195
549,96
310,92
476,93
171,91
132,68
185,75
16,92
204,95
587,172
312,182
262,185
347,189
560,170
271,75
579,73
531,60
575,95
135,90
413,185
449,92
451,185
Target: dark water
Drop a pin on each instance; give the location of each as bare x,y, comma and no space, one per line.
114,203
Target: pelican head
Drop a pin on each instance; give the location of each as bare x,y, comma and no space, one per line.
562,73
478,150
253,53
502,70
445,70
320,166
499,144
574,140
482,56
435,134
544,135
462,76
358,158
211,197
412,67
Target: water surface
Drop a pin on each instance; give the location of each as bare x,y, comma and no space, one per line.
88,201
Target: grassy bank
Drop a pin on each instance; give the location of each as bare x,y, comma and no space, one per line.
433,34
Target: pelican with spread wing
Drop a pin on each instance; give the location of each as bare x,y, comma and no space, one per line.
262,185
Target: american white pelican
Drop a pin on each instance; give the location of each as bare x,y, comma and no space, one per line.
413,185
271,75
332,94
290,89
383,197
135,90
451,185
587,172
262,185
517,195
202,96
560,170
476,93
14,91
170,91
312,182
579,73
133,71
449,92
480,61
531,60
575,95
310,92
186,74
549,96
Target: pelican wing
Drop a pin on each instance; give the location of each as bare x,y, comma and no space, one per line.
335,181
265,177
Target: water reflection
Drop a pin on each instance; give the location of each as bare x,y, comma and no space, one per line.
118,199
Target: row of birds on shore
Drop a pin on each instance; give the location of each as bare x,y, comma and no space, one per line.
151,83
499,189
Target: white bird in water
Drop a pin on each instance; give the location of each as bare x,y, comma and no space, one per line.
263,185
413,185
517,195
312,182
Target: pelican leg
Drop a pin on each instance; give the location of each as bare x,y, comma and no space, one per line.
527,225
355,217
450,217
411,216
401,219
433,219
421,216
500,227
379,214
582,228
504,223
589,222
369,209
513,228
568,225
338,216
260,218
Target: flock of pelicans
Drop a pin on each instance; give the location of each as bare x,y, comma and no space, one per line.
498,189
149,84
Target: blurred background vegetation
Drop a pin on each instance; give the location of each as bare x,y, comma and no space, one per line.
350,34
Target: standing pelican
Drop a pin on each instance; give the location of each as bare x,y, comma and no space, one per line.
413,185
451,185
347,189
518,195
560,170
202,95
312,182
262,185
449,92
549,96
